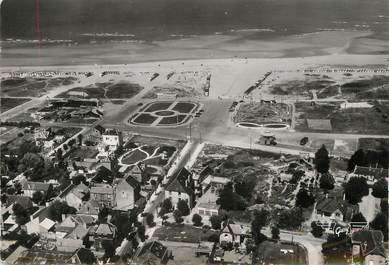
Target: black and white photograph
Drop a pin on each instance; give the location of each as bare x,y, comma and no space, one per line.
194,132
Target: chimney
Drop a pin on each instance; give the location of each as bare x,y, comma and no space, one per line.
63,216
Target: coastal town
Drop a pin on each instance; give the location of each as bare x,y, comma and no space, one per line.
235,161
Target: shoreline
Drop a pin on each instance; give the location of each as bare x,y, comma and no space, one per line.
216,47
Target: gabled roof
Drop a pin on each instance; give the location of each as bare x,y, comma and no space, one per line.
105,229
234,229
38,186
178,183
331,204
371,242
103,175
42,214
100,129
79,232
156,250
102,189
85,256
23,201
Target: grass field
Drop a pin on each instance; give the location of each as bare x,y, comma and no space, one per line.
182,233
32,87
374,120
10,103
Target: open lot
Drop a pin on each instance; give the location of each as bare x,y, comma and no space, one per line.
262,113
32,87
374,120
270,252
116,90
10,103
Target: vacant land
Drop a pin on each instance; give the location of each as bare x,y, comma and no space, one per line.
263,113
82,152
376,87
373,143
373,120
121,89
32,87
10,103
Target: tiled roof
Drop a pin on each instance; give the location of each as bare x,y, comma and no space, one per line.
371,242
38,186
23,201
177,182
156,249
105,229
102,189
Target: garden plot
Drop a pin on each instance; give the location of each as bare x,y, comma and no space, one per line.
151,151
165,113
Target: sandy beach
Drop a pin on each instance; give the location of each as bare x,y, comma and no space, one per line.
197,47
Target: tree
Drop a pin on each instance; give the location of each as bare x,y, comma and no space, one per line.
79,138
59,154
37,197
177,216
216,221
317,231
150,220
141,232
30,161
275,233
109,250
230,200
380,222
197,220
57,209
358,218
322,160
103,213
183,207
21,215
166,207
327,181
380,189
78,179
260,220
71,142
65,147
357,159
226,197
355,189
291,219
304,199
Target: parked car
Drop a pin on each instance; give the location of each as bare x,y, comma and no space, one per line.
304,141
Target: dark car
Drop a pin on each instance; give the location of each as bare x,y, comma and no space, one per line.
304,141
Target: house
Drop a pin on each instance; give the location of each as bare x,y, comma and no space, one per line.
333,208
30,187
73,195
126,193
370,173
181,187
215,181
232,234
112,138
40,222
82,256
136,171
98,129
100,233
90,208
69,238
368,246
153,252
103,194
206,205
23,201
103,175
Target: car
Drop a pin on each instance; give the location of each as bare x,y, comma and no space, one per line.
140,104
304,141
